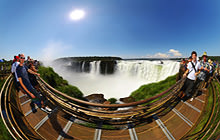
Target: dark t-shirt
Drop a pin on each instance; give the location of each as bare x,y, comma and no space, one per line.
22,72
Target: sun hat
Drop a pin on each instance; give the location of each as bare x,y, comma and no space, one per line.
204,54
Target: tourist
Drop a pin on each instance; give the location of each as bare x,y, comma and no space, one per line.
27,62
217,71
14,60
15,64
36,64
28,59
189,60
32,77
190,74
212,67
182,69
205,69
13,71
25,84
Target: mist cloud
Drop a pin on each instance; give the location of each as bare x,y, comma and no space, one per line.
52,50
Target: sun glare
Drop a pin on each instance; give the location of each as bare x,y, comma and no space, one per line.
77,14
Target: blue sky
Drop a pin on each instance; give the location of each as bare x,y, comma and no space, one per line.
125,28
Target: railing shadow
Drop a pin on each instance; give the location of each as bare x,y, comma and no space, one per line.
56,125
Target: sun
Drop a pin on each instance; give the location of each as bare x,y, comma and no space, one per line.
77,14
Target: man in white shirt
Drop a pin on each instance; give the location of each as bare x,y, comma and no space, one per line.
192,71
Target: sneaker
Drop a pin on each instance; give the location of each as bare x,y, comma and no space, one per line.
191,99
46,109
34,110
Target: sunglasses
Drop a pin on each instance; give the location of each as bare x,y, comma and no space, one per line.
22,57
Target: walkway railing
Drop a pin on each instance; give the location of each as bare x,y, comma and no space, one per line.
5,69
133,112
177,84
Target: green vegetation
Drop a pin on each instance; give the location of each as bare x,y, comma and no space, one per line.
149,90
4,134
214,120
112,100
71,91
56,81
214,58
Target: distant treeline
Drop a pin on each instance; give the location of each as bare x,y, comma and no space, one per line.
214,58
89,58
153,59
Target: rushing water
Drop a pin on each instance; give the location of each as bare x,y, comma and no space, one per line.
128,76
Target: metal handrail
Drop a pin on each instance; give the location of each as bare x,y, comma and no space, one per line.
217,80
112,105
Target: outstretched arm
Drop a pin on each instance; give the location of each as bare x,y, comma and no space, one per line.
33,68
24,87
32,72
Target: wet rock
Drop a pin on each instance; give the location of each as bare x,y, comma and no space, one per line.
107,67
127,99
96,98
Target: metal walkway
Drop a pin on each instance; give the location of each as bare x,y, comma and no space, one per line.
161,117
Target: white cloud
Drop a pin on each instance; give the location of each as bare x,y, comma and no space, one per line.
170,54
53,50
161,55
175,53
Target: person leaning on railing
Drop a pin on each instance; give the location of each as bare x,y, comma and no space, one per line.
36,98
32,77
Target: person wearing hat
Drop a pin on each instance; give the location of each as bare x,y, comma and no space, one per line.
205,67
204,63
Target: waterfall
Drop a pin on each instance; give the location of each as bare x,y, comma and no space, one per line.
98,67
83,66
151,71
95,67
128,75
